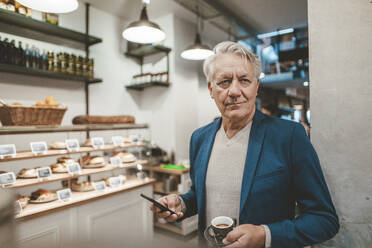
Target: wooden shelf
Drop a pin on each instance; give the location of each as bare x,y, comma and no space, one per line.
166,171
51,153
21,25
20,183
78,198
146,50
142,86
73,128
15,69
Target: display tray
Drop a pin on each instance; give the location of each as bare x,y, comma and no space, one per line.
66,176
41,202
78,189
26,177
34,210
94,166
51,153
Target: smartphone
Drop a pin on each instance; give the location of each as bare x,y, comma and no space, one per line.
157,204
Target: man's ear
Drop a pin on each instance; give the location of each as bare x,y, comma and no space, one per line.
210,89
258,85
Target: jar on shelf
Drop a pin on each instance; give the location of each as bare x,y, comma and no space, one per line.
91,68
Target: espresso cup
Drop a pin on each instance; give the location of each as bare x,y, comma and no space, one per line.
221,226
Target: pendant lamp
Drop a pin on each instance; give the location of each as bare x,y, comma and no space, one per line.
51,6
197,51
143,31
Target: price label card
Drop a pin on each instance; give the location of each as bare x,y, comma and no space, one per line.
116,161
73,168
134,137
7,150
72,144
7,179
99,186
17,207
98,142
115,181
39,147
64,194
44,172
118,140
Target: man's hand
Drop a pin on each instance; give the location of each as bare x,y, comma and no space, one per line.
173,202
246,236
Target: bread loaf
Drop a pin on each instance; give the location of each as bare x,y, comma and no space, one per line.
96,119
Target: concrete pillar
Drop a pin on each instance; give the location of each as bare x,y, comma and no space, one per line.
340,43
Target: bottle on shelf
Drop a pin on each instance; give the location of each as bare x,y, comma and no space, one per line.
12,53
44,60
50,61
20,58
28,57
91,68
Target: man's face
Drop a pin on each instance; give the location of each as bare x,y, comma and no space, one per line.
234,87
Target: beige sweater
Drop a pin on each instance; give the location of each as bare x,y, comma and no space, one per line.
225,174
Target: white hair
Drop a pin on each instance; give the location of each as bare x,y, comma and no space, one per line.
234,48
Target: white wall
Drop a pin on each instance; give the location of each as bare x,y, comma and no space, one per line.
172,113
340,97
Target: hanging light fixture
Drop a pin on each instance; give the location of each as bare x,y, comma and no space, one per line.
51,6
197,51
143,31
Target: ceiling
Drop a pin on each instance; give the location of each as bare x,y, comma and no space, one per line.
259,16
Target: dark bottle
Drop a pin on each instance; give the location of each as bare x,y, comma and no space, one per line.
1,51
20,55
33,57
12,53
6,51
44,60
28,57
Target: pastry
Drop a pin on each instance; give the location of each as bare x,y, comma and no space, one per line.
58,145
27,173
92,161
88,142
127,140
59,168
65,160
16,104
82,187
125,157
42,195
40,104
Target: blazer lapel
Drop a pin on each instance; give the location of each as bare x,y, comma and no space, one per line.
256,139
206,153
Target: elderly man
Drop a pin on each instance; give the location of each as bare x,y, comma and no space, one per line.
253,167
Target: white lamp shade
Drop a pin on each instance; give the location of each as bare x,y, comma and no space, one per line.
143,34
51,6
196,54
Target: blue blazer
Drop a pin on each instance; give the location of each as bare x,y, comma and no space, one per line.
281,169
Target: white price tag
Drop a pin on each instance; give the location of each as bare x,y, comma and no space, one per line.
17,207
99,186
7,150
116,161
118,140
72,144
98,142
44,172
115,181
64,194
73,168
7,179
39,147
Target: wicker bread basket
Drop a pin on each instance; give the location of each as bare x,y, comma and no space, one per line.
30,116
